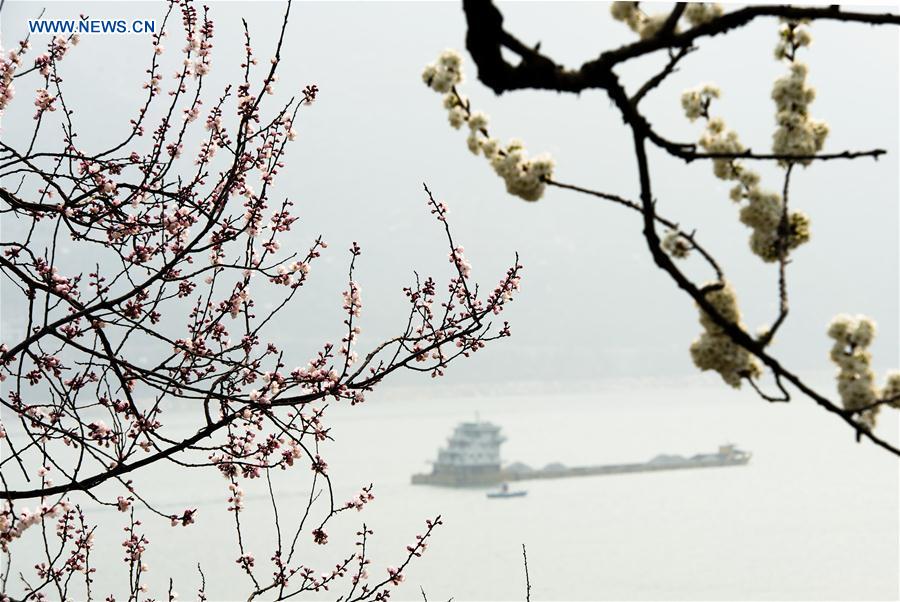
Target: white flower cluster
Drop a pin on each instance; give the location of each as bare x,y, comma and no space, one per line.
698,13
791,36
797,133
714,350
763,211
891,389
856,380
628,13
717,139
524,177
675,244
647,26
764,241
696,102
444,73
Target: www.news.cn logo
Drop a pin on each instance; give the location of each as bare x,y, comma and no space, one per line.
88,26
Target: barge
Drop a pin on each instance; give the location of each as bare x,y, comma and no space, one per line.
471,458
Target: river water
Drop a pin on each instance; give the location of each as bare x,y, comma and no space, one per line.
814,516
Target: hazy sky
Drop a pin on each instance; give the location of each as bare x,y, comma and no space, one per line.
593,306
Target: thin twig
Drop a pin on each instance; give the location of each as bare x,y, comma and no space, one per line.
527,579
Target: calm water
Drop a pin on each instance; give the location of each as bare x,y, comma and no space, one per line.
814,516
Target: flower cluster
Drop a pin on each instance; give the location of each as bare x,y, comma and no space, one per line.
44,102
714,349
698,13
320,537
647,26
8,65
696,102
891,390
764,212
236,499
458,258
444,73
856,380
852,336
395,576
56,50
524,177
199,44
775,231
12,526
185,519
792,35
675,244
797,133
353,300
364,497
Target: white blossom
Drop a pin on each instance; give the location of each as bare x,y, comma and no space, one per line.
651,25
696,102
473,143
714,349
445,73
456,116
478,121
524,177
797,133
698,13
763,211
675,244
852,336
891,390
628,13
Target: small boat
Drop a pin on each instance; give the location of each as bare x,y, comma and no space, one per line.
505,492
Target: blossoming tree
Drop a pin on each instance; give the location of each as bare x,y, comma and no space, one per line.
724,345
176,233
